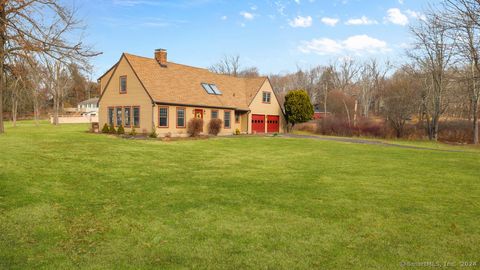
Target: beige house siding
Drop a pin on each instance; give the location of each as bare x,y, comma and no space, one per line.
189,114
135,96
243,125
105,78
273,108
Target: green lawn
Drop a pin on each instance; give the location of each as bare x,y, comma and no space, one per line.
70,199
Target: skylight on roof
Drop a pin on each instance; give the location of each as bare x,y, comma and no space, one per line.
211,89
207,88
215,89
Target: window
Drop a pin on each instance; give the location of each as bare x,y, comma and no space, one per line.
119,116
215,89
211,89
266,97
127,116
123,84
214,114
181,117
207,88
226,119
136,116
163,116
110,116
237,117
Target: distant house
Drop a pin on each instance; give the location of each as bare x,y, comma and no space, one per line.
88,107
153,93
318,112
86,112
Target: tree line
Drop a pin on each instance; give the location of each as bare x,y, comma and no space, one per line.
32,90
42,66
440,79
42,56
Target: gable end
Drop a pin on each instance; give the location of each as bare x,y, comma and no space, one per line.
134,72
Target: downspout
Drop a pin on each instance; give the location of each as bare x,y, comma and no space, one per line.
153,116
248,122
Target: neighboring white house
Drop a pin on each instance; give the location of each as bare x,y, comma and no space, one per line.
86,112
88,107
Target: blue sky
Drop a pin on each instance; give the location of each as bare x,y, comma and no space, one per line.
274,35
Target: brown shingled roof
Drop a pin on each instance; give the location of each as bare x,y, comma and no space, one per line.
181,84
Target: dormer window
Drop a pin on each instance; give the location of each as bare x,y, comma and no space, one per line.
123,84
211,89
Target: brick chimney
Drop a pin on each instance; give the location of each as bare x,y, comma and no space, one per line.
161,57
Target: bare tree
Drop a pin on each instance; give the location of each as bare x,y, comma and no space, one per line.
37,27
229,65
250,72
327,84
463,16
16,83
433,51
35,72
367,85
14,99
401,97
15,86
346,72
371,76
58,82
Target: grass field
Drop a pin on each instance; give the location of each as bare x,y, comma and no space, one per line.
70,199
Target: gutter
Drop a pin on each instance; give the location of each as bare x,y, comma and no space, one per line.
199,105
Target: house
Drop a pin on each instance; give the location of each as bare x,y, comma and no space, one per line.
318,112
155,94
88,107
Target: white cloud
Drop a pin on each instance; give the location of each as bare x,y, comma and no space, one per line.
401,2
300,21
297,1
330,21
358,44
361,21
321,46
395,16
224,18
247,15
415,14
364,43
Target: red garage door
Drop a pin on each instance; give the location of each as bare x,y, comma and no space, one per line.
273,123
258,123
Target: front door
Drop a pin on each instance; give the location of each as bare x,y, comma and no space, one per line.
199,114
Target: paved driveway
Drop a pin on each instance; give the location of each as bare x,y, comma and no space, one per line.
361,141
